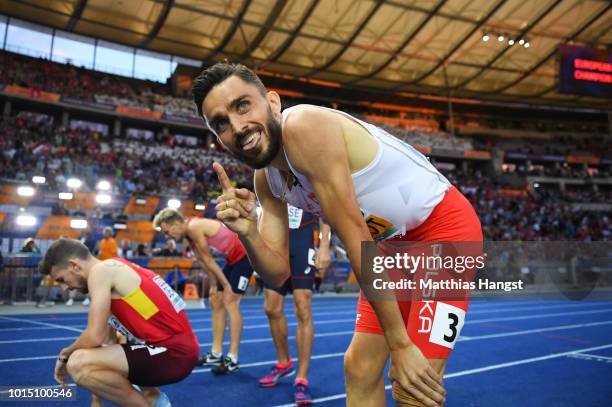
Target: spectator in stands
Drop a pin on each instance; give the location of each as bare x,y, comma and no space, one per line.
125,250
107,247
29,246
141,250
170,249
179,284
88,240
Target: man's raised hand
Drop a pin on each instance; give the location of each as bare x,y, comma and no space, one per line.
235,207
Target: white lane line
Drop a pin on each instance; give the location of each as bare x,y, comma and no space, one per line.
263,340
586,356
533,331
42,324
341,333
468,322
478,370
290,315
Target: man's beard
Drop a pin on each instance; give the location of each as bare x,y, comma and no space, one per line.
265,157
84,289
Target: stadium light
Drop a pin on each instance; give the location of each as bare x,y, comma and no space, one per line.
39,179
521,41
526,45
103,199
199,207
78,223
65,196
26,190
103,185
74,183
26,220
485,37
212,145
174,203
536,185
510,41
500,38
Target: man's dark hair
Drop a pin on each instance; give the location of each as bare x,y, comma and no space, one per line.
60,252
214,75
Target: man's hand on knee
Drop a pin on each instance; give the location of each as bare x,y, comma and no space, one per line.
414,376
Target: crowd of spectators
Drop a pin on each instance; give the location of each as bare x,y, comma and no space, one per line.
31,145
90,86
539,214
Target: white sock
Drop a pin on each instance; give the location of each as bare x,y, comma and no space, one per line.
233,358
216,354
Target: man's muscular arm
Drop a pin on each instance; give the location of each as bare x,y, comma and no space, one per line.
315,145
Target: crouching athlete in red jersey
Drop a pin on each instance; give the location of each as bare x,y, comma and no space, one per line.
161,348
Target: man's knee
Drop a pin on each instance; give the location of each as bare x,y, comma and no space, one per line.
216,301
79,365
274,309
303,311
359,369
231,301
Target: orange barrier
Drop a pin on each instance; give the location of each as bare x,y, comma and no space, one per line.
485,155
582,159
140,231
134,111
55,227
148,208
190,292
170,263
8,196
32,93
187,209
82,201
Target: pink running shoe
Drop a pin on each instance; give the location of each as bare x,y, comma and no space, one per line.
278,371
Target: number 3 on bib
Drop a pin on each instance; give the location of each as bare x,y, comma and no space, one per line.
447,324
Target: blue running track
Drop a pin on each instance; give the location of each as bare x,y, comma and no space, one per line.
511,353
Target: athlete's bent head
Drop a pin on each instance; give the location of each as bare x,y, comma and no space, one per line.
240,111
171,223
67,262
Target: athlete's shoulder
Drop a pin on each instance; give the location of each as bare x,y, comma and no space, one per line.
304,116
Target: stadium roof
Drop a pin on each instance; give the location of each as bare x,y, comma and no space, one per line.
410,46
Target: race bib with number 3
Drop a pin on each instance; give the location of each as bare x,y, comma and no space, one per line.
447,324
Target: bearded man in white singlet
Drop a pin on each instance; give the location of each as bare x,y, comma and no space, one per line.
367,185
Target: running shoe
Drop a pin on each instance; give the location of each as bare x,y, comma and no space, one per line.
277,372
226,367
301,394
210,360
162,401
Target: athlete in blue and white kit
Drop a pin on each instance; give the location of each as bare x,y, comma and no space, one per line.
303,268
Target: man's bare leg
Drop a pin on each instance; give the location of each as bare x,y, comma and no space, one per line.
305,329
404,399
218,319
232,306
364,364
274,306
104,371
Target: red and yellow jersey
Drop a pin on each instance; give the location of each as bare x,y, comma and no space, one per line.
153,313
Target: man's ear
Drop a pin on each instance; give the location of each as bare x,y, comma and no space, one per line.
73,263
275,103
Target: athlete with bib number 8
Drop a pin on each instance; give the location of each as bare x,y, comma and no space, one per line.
161,347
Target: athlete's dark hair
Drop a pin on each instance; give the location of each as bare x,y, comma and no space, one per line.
60,252
214,75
